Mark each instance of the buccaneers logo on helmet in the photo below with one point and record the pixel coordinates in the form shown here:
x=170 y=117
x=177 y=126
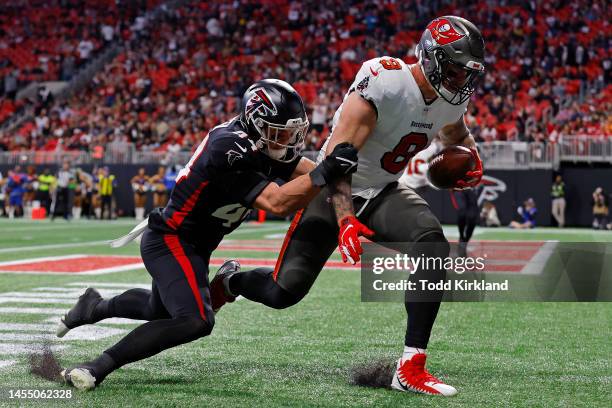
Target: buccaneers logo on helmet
x=260 y=103
x=443 y=32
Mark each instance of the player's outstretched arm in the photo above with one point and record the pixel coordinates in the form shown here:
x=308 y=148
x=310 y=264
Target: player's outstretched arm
x=356 y=122
x=297 y=193
x=458 y=134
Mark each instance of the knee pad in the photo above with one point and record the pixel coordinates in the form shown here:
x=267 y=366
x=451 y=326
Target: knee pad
x=439 y=244
x=282 y=299
x=198 y=327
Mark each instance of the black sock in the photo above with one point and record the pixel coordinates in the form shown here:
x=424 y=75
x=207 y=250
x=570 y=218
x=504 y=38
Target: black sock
x=469 y=229
x=101 y=367
x=461 y=225
x=258 y=285
x=422 y=315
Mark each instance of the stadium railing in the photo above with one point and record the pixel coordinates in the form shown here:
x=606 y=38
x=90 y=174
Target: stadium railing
x=496 y=155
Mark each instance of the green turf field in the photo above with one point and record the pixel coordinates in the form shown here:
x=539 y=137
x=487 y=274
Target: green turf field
x=495 y=354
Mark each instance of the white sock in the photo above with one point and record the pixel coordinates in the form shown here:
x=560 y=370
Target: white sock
x=76 y=213
x=411 y=351
x=139 y=212
x=98 y=212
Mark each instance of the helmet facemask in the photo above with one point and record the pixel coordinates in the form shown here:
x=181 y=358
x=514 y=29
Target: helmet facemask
x=281 y=142
x=452 y=81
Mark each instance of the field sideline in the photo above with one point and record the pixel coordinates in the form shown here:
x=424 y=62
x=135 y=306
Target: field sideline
x=496 y=354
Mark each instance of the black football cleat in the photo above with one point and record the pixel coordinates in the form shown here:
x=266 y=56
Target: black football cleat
x=81 y=312
x=80 y=378
x=219 y=286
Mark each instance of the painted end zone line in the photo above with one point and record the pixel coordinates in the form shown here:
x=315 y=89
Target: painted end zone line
x=98 y=265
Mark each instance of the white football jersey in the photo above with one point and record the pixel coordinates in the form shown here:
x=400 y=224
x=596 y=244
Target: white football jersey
x=405 y=124
x=415 y=175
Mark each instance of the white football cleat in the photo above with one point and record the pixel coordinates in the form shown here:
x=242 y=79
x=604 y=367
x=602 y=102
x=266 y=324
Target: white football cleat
x=411 y=375
x=80 y=378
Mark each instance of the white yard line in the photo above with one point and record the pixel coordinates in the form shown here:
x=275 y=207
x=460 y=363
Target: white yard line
x=54 y=301
x=111 y=285
x=113 y=320
x=20 y=348
x=7 y=363
x=88 y=333
x=41 y=259
x=535 y=266
x=33 y=310
x=67 y=294
x=51 y=246
x=36 y=327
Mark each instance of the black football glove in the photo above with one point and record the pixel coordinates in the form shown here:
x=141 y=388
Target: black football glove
x=341 y=161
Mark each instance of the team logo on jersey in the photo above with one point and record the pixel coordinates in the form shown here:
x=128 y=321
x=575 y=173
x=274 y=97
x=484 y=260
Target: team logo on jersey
x=443 y=32
x=492 y=188
x=363 y=84
x=259 y=103
x=232 y=156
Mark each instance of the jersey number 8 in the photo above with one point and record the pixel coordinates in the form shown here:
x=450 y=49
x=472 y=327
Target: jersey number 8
x=397 y=159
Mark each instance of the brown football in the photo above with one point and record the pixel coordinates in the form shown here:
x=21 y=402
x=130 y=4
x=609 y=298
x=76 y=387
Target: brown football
x=450 y=165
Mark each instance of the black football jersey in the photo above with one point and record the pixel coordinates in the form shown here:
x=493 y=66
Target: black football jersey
x=215 y=191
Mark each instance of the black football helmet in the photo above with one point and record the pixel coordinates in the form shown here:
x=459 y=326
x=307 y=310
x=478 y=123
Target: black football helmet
x=451 y=55
x=275 y=117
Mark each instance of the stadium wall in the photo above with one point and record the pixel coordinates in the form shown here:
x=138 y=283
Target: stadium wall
x=506 y=188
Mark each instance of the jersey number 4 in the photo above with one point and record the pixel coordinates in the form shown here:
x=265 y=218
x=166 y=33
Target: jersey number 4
x=409 y=145
x=231 y=214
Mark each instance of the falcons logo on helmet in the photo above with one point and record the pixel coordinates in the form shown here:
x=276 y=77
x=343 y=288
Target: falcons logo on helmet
x=259 y=103
x=443 y=32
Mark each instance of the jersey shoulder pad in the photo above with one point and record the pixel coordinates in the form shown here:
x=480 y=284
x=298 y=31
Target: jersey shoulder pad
x=379 y=80
x=231 y=150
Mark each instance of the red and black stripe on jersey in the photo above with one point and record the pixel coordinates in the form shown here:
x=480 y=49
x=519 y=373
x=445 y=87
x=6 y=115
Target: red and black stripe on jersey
x=216 y=189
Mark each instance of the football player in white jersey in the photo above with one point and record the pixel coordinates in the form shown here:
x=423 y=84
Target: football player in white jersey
x=391 y=112
x=415 y=175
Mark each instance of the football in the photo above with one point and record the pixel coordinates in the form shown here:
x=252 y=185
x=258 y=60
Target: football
x=450 y=165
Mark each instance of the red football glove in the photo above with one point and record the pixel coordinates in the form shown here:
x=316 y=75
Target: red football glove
x=474 y=176
x=348 y=238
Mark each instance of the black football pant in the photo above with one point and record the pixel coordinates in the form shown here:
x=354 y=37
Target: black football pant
x=177 y=307
x=398 y=216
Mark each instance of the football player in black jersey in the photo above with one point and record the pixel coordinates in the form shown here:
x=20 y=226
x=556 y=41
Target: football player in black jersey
x=234 y=169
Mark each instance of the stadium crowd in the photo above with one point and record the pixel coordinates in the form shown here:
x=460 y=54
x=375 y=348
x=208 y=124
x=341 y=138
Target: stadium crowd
x=48 y=40
x=548 y=70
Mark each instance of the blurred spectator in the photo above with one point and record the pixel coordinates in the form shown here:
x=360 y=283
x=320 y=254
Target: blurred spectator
x=160 y=193
x=140 y=186
x=62 y=200
x=15 y=188
x=600 y=205
x=527 y=212
x=107 y=184
x=488 y=215
x=2 y=196
x=46 y=185
x=548 y=68
x=30 y=183
x=558 y=200
x=82 y=184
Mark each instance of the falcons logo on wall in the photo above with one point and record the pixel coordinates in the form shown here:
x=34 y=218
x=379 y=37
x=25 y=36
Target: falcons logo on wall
x=259 y=103
x=491 y=189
